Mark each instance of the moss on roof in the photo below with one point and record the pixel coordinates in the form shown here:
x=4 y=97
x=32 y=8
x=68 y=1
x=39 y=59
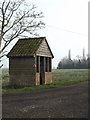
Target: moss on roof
x=26 y=47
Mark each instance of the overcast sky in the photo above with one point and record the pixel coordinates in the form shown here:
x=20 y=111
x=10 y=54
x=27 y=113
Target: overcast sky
x=66 y=27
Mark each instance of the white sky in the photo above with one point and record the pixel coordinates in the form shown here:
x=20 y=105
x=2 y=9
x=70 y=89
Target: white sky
x=66 y=27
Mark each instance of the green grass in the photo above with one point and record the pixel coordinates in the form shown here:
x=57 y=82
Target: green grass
x=5 y=77
x=69 y=74
x=60 y=78
x=28 y=89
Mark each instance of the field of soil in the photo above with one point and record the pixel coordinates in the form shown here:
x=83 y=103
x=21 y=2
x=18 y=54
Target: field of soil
x=64 y=102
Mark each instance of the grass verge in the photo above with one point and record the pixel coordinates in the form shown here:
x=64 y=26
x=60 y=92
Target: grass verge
x=41 y=87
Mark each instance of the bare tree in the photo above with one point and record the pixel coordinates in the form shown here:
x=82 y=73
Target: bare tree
x=17 y=18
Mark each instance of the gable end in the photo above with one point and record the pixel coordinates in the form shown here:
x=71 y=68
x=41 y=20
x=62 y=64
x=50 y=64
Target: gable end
x=44 y=49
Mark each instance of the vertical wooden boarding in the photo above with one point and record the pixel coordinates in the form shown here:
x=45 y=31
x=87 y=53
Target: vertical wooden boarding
x=48 y=64
x=37 y=70
x=39 y=63
x=44 y=64
x=44 y=70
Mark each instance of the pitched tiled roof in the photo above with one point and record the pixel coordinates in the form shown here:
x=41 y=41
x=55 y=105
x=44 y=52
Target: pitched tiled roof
x=26 y=47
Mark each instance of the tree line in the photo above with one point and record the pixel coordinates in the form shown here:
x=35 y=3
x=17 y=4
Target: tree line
x=82 y=62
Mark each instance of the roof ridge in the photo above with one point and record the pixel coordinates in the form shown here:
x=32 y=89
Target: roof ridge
x=32 y=38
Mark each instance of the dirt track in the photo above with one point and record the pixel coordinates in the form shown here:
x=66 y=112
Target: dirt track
x=64 y=102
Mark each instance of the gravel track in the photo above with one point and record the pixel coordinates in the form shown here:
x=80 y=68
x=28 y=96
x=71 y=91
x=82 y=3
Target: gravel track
x=64 y=102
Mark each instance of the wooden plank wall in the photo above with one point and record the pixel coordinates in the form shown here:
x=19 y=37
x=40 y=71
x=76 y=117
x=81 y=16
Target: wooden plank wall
x=44 y=50
x=22 y=71
x=48 y=77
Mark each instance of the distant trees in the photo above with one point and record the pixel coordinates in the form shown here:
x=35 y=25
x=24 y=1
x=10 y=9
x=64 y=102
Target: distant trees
x=80 y=63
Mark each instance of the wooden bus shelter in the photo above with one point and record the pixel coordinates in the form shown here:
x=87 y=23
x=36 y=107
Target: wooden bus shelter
x=30 y=62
